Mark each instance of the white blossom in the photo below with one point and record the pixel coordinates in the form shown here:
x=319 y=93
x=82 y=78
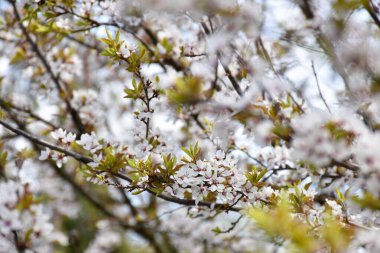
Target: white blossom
x=90 y=142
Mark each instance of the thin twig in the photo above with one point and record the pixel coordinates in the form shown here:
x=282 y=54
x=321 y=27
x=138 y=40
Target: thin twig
x=5 y=104
x=74 y=114
x=233 y=225
x=319 y=87
x=226 y=69
x=166 y=213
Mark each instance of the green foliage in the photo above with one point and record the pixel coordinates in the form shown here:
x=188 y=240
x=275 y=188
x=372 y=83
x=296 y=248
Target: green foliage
x=255 y=174
x=3 y=161
x=167 y=45
x=299 y=199
x=186 y=90
x=279 y=222
x=112 y=163
x=19 y=56
x=282 y=222
x=136 y=92
x=338 y=133
x=193 y=152
x=3 y=114
x=114 y=46
x=335 y=235
x=170 y=163
x=283 y=132
x=369 y=201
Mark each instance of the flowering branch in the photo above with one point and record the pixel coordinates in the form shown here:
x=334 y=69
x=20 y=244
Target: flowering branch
x=86 y=160
x=74 y=114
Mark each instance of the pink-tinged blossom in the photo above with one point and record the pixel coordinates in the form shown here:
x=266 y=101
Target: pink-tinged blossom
x=175 y=190
x=60 y=159
x=263 y=132
x=220 y=155
x=62 y=136
x=9 y=220
x=227 y=195
x=31 y=220
x=314 y=142
x=142 y=149
x=198 y=192
x=58 y=134
x=90 y=142
x=366 y=240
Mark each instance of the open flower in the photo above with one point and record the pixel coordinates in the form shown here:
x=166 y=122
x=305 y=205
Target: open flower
x=60 y=159
x=59 y=134
x=89 y=142
x=45 y=154
x=62 y=136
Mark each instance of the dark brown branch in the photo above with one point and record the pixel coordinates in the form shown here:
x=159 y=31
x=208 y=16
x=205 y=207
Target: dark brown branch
x=368 y=5
x=5 y=104
x=347 y=165
x=63 y=174
x=86 y=160
x=231 y=78
x=36 y=140
x=139 y=228
x=74 y=114
x=194 y=55
x=127 y=201
x=186 y=202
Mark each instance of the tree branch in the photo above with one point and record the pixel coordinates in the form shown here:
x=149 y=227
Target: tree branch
x=85 y=159
x=74 y=114
x=36 y=140
x=319 y=88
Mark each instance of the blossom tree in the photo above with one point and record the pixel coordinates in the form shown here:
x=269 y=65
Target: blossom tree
x=189 y=126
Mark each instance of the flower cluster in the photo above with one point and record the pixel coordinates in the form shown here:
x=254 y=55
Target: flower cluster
x=320 y=140
x=62 y=137
x=286 y=124
x=219 y=180
x=24 y=221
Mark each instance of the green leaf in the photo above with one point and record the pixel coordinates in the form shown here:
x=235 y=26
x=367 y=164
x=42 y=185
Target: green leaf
x=307 y=186
x=117 y=36
x=3 y=161
x=186 y=90
x=43 y=29
x=217 y=230
x=340 y=195
x=108 y=34
x=19 y=56
x=261 y=174
x=368 y=201
x=107 y=41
